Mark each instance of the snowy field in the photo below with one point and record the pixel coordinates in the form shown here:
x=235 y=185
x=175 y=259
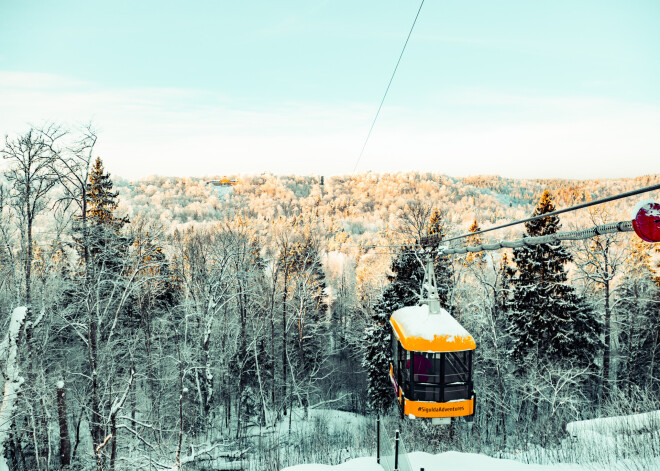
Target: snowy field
x=595 y=444
x=456 y=461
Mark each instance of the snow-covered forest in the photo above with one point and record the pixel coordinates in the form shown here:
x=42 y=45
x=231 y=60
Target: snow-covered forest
x=172 y=323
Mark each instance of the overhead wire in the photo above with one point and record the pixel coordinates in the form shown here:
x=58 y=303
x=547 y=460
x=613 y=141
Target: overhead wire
x=622 y=226
x=581 y=234
x=364 y=146
x=557 y=237
x=560 y=211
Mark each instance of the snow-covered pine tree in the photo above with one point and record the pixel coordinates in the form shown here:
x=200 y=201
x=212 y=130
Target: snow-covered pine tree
x=403 y=290
x=377 y=355
x=506 y=272
x=106 y=244
x=102 y=200
x=548 y=321
x=475 y=259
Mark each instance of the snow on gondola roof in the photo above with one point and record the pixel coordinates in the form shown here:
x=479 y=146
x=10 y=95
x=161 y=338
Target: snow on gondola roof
x=420 y=331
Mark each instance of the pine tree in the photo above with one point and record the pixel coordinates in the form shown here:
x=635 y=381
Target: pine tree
x=475 y=258
x=402 y=291
x=104 y=240
x=548 y=321
x=377 y=358
x=506 y=272
x=102 y=200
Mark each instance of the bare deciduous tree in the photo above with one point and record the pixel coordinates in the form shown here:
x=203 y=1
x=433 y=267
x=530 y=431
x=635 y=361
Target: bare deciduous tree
x=31 y=157
x=598 y=261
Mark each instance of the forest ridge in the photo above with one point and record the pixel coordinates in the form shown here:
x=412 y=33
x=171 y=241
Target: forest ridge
x=366 y=202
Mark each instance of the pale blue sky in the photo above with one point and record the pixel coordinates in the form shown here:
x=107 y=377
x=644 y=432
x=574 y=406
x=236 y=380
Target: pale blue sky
x=195 y=88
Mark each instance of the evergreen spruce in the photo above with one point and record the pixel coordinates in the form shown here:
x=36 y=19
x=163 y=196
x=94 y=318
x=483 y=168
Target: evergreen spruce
x=476 y=259
x=105 y=243
x=102 y=200
x=403 y=290
x=548 y=321
x=378 y=355
x=506 y=273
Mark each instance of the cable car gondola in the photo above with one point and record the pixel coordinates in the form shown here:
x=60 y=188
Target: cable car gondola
x=431 y=369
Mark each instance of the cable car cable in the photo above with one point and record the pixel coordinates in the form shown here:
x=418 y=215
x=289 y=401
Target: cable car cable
x=560 y=211
x=388 y=88
x=580 y=234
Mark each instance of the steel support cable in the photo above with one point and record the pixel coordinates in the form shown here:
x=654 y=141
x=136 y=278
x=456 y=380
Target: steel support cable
x=364 y=146
x=580 y=234
x=556 y=238
x=427 y=243
x=560 y=211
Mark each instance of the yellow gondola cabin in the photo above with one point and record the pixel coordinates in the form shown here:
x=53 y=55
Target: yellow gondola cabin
x=431 y=371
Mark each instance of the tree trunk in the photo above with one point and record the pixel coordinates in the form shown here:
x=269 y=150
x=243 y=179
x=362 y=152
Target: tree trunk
x=13 y=379
x=77 y=442
x=28 y=251
x=65 y=442
x=95 y=420
x=181 y=397
x=607 y=355
x=113 y=446
x=284 y=372
x=272 y=339
x=85 y=238
x=28 y=265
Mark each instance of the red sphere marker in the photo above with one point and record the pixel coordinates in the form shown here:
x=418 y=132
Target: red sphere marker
x=646 y=221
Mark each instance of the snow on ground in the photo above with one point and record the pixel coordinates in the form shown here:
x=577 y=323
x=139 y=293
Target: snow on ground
x=627 y=443
x=455 y=461
x=613 y=426
x=320 y=436
x=451 y=460
x=358 y=464
x=473 y=462
x=335 y=420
